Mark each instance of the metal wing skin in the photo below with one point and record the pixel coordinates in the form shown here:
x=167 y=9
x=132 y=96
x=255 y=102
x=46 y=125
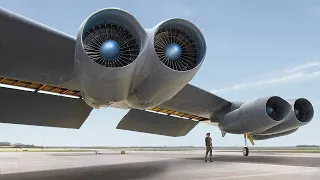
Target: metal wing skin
x=37 y=57
x=32 y=52
x=179 y=115
x=148 y=122
x=196 y=101
x=29 y=108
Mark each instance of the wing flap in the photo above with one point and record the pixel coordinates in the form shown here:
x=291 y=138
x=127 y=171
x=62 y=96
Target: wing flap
x=154 y=123
x=30 y=108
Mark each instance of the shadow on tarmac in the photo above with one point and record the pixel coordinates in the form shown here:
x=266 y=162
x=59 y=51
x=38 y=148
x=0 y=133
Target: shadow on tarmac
x=116 y=172
x=276 y=160
x=152 y=169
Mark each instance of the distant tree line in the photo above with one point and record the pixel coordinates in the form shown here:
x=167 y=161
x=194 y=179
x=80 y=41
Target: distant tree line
x=17 y=145
x=307 y=146
x=20 y=145
x=5 y=144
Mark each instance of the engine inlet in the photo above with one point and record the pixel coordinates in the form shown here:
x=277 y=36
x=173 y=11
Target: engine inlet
x=176 y=49
x=110 y=45
x=303 y=110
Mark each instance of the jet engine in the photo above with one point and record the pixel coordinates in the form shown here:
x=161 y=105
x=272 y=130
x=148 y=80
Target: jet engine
x=110 y=48
x=117 y=60
x=301 y=115
x=256 y=115
x=176 y=52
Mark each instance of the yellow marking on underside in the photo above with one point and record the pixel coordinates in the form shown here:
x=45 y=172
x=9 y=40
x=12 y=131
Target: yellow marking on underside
x=177 y=113
x=37 y=86
x=249 y=136
x=170 y=112
x=187 y=115
x=65 y=91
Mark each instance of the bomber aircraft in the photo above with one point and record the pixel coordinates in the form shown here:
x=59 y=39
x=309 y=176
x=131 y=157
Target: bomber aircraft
x=115 y=62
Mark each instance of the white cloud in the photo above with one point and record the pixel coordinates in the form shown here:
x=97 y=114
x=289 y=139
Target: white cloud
x=303 y=67
x=292 y=75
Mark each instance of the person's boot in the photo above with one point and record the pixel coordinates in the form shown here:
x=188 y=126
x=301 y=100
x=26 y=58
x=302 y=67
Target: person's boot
x=211 y=160
x=205 y=159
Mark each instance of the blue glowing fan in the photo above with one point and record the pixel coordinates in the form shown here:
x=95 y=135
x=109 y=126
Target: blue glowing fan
x=110 y=45
x=176 y=49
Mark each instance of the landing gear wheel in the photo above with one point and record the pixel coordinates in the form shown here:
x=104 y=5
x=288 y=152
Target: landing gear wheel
x=245 y=151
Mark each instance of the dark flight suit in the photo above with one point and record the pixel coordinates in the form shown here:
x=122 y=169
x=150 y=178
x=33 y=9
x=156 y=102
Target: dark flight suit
x=208 y=148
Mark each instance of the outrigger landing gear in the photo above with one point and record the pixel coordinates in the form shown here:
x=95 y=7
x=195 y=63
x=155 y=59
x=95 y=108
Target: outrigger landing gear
x=245 y=150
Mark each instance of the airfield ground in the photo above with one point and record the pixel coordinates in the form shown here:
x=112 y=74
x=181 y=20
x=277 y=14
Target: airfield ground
x=225 y=149
x=44 y=150
x=158 y=164
x=217 y=149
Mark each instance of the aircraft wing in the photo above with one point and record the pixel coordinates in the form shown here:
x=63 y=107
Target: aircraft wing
x=196 y=101
x=35 y=53
x=29 y=108
x=37 y=57
x=41 y=58
x=179 y=115
x=148 y=122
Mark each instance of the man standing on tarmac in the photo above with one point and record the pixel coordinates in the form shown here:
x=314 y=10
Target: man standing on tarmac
x=208 y=141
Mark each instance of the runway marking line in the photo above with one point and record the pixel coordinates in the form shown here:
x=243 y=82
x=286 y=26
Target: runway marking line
x=257 y=175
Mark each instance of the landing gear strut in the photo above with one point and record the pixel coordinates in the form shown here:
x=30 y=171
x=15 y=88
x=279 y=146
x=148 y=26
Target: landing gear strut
x=245 y=149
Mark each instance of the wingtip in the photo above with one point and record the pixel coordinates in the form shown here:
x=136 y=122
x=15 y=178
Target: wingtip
x=223 y=133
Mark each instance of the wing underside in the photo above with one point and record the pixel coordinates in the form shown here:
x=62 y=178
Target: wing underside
x=32 y=52
x=179 y=115
x=40 y=58
x=197 y=102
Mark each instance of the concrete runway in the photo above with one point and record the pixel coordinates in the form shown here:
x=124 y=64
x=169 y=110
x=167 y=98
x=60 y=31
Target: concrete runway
x=176 y=165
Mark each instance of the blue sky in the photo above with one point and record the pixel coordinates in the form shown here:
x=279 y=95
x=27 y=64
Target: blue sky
x=254 y=48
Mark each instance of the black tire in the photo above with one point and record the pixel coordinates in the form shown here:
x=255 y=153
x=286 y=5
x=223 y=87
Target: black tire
x=245 y=151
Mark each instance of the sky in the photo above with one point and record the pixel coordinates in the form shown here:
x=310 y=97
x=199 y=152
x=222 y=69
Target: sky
x=254 y=49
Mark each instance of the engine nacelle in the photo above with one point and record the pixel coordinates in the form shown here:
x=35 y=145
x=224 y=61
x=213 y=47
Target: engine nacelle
x=263 y=137
x=110 y=48
x=256 y=115
x=116 y=60
x=302 y=115
x=176 y=52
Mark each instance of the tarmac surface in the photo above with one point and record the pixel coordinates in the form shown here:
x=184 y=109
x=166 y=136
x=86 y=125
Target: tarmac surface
x=158 y=165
